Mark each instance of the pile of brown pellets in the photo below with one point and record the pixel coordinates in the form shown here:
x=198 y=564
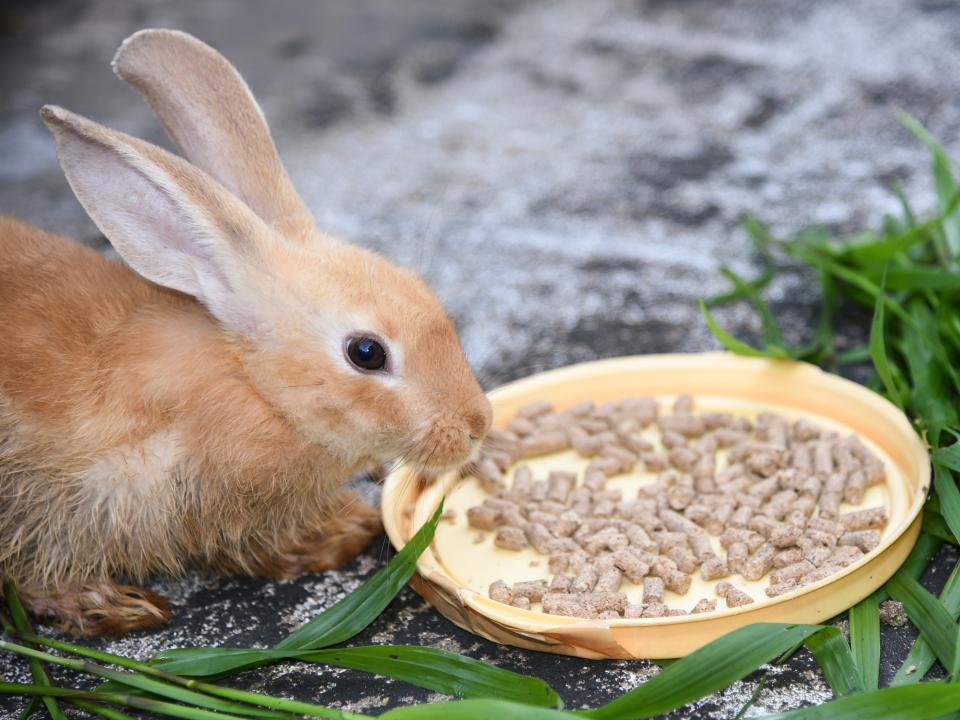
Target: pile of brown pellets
x=770 y=490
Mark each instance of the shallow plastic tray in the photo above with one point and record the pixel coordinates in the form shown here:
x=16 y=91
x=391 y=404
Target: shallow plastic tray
x=789 y=387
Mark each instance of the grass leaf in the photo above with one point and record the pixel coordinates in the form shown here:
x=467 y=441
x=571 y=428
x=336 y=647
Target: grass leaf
x=22 y=623
x=949 y=497
x=921 y=658
x=923 y=278
x=944 y=183
x=865 y=640
x=772 y=337
x=144 y=684
x=911 y=702
x=441 y=671
x=836 y=661
x=878 y=350
x=711 y=668
x=932 y=619
x=475 y=710
x=734 y=345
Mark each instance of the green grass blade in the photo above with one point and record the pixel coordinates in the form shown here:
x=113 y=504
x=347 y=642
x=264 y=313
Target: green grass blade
x=932 y=619
x=141 y=703
x=101 y=710
x=854 y=355
x=213 y=661
x=865 y=640
x=772 y=337
x=822 y=347
x=431 y=668
x=852 y=277
x=31 y=708
x=836 y=661
x=759 y=235
x=931 y=371
x=910 y=702
x=754 y=696
x=335 y=625
x=921 y=658
x=949 y=497
x=287 y=706
x=921 y=555
x=955 y=667
x=475 y=710
x=22 y=623
x=887 y=248
x=878 y=350
x=948 y=457
x=933 y=523
x=143 y=684
x=441 y=671
x=946 y=186
x=923 y=278
x=755 y=285
x=737 y=346
x=713 y=667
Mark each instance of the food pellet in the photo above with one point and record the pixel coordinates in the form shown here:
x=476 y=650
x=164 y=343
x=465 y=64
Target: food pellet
x=736 y=598
x=543 y=444
x=714 y=569
x=769 y=491
x=780 y=588
x=865 y=540
x=500 y=592
x=538 y=536
x=533 y=590
x=510 y=538
x=535 y=409
x=654 y=610
x=869 y=519
x=704 y=605
x=568 y=604
x=653 y=588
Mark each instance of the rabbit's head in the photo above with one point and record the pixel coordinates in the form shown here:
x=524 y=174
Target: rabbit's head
x=355 y=353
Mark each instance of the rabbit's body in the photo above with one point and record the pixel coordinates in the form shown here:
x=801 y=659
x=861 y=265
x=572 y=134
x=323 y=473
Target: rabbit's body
x=208 y=416
x=161 y=454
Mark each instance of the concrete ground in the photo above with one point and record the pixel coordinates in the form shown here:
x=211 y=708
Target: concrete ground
x=569 y=176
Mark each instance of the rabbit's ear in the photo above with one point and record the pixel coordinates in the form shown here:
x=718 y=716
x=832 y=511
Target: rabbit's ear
x=210 y=114
x=171 y=222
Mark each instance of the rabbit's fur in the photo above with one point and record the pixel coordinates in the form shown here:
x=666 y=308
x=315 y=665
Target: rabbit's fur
x=202 y=412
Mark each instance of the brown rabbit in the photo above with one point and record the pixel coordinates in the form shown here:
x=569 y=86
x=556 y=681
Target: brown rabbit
x=206 y=407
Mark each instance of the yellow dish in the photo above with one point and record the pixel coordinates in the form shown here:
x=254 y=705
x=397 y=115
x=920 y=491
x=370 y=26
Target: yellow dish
x=454 y=573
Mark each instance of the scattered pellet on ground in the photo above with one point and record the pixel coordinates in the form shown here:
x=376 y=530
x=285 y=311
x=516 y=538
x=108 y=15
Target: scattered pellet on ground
x=893 y=614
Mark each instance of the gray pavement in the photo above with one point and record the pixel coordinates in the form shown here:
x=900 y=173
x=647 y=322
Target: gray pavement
x=568 y=175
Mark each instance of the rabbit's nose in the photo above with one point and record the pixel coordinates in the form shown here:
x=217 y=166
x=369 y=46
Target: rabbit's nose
x=479 y=418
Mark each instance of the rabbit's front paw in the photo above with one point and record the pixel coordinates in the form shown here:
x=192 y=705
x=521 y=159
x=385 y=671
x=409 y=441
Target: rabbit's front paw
x=100 y=608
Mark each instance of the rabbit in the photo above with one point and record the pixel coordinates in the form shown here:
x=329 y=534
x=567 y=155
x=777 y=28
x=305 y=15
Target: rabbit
x=205 y=406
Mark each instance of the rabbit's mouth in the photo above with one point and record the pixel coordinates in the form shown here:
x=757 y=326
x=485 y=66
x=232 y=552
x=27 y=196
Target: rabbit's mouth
x=445 y=447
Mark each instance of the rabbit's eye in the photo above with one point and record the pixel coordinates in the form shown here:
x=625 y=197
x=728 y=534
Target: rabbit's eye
x=366 y=353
